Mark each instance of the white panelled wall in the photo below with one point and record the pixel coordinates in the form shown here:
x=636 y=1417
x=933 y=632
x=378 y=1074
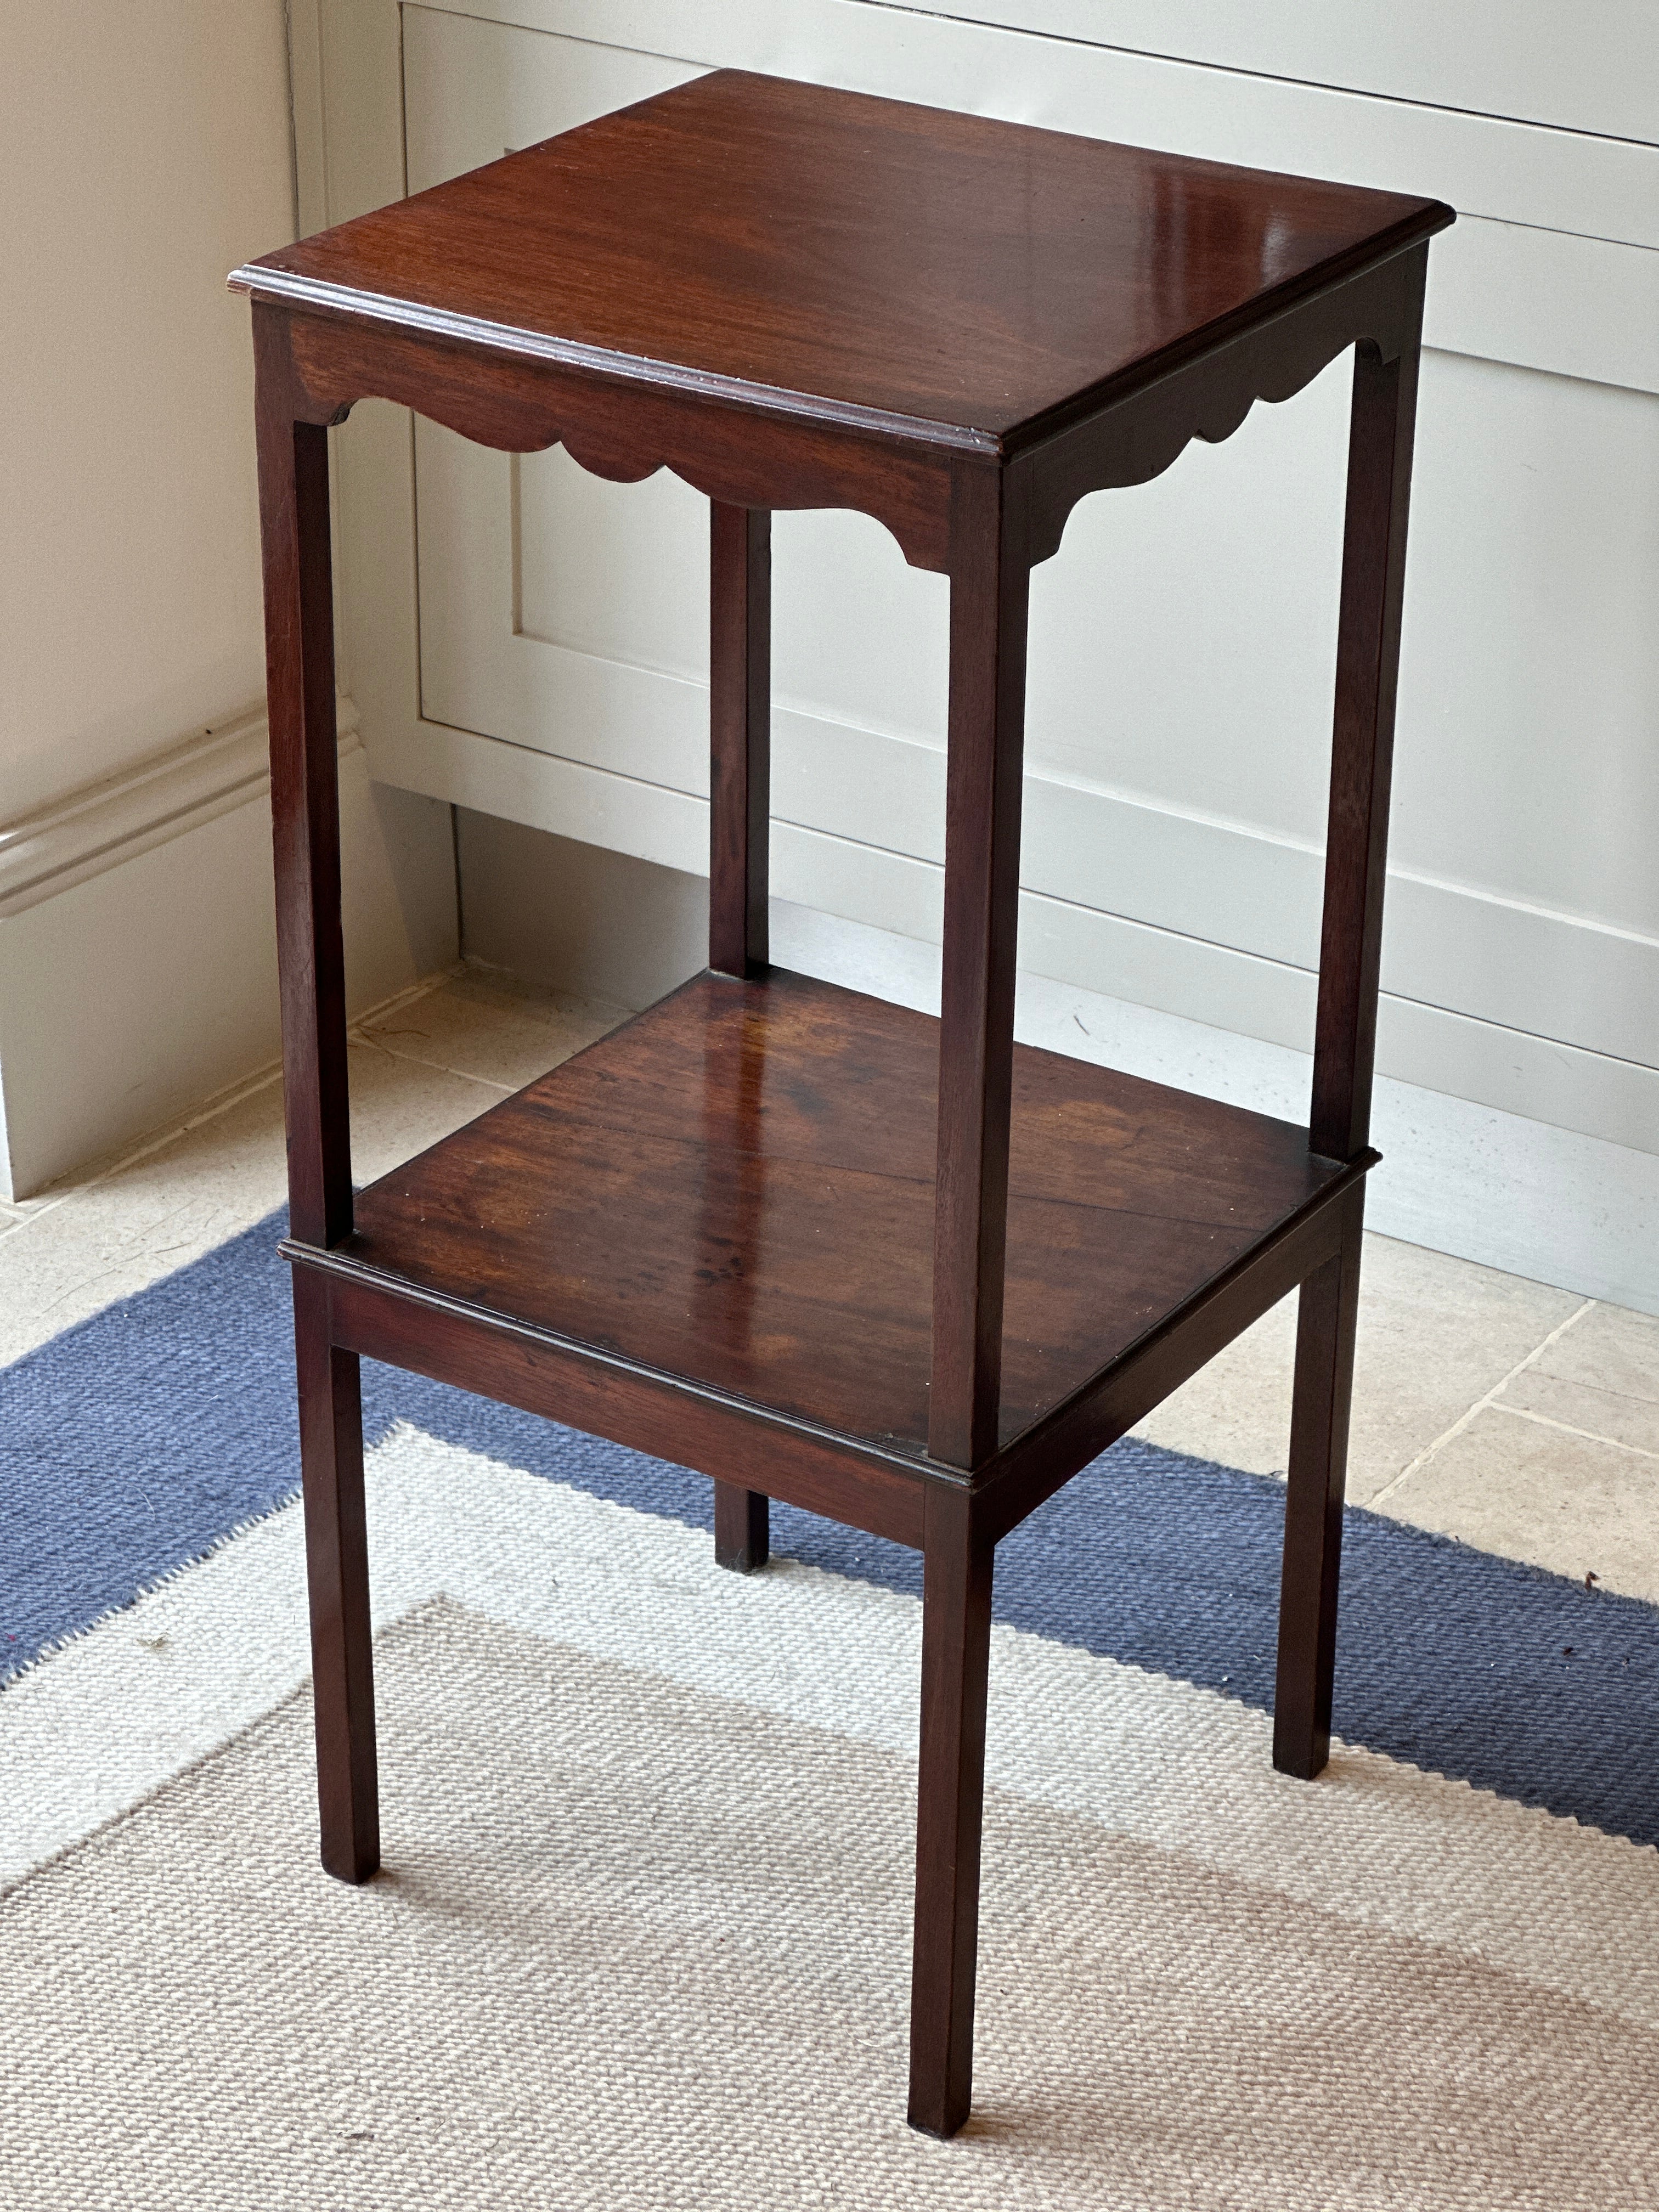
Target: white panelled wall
x=533 y=648
x=146 y=150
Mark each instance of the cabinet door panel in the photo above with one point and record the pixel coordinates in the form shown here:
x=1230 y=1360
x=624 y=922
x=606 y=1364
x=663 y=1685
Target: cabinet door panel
x=570 y=616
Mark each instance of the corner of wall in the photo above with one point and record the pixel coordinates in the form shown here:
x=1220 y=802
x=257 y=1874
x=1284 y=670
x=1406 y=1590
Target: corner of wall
x=576 y=917
x=137 y=941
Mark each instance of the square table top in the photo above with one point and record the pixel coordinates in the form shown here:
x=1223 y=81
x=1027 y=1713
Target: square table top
x=900 y=268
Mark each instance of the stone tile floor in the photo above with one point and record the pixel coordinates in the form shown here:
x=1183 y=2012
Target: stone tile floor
x=1521 y=1418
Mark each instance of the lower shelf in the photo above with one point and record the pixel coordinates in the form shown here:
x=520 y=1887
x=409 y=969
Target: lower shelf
x=736 y=1189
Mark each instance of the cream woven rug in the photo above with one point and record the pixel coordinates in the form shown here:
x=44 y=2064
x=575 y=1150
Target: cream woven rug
x=643 y=1938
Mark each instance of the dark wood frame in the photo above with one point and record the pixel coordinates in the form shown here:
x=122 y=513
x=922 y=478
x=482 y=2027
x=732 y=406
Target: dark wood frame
x=984 y=510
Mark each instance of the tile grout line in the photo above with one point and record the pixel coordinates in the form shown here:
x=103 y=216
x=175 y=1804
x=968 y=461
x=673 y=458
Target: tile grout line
x=109 y=1185
x=222 y=1102
x=1567 y=1428
x=422 y=988
x=1479 y=1406
x=438 y=1066
x=218 y=1103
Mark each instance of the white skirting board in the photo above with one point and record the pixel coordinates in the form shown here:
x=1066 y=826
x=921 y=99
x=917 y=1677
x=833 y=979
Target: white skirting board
x=1472 y=1180
x=137 y=939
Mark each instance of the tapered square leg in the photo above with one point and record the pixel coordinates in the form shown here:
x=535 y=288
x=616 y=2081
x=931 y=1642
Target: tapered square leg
x=990 y=601
x=304 y=793
x=1382 y=422
x=742 y=1534
x=336 y=1570
x=740 y=736
x=1313 y=1506
x=956 y=1649
x=739 y=825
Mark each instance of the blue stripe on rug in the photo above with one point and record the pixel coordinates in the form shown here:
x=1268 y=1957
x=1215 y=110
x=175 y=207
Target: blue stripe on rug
x=137 y=1442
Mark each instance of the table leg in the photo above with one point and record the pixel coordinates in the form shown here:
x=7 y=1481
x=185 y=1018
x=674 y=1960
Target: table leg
x=739 y=830
x=1362 y=750
x=742 y=1534
x=337 y=1569
x=740 y=736
x=305 y=828
x=1313 y=1504
x=956 y=1650
x=990 y=595
x=1356 y=854
x=304 y=793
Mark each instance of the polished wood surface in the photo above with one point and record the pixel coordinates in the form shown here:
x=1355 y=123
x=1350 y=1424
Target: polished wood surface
x=890 y=261
x=760 y=266
x=1382 y=424
x=1381 y=421
x=740 y=844
x=1321 y=1396
x=302 y=712
x=737 y=1444
x=1036 y=1464
x=816 y=1246
x=990 y=595
x=737 y=1187
x=742 y=1529
x=959 y=1556
x=740 y=737
x=875 y=1486
x=337 y=1577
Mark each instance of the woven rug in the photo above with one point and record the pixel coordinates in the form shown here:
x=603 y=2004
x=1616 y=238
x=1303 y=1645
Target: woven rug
x=642 y=1936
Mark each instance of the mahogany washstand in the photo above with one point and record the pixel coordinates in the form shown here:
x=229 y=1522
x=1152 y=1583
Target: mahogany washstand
x=897 y=1271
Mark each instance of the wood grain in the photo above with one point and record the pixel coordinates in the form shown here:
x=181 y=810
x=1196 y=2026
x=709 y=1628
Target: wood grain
x=738 y=234
x=740 y=731
x=299 y=601
x=625 y=429
x=1345 y=1037
x=1321 y=1398
x=1031 y=1466
x=1380 y=441
x=989 y=598
x=739 y=848
x=669 y=1418
x=957 y=1559
x=737 y=1187
x=712 y=282
x=337 y=1575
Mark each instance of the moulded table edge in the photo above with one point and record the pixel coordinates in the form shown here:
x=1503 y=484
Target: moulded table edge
x=1006 y=1472
x=360 y=1272
x=985 y=1481
x=1028 y=439
x=287 y=288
